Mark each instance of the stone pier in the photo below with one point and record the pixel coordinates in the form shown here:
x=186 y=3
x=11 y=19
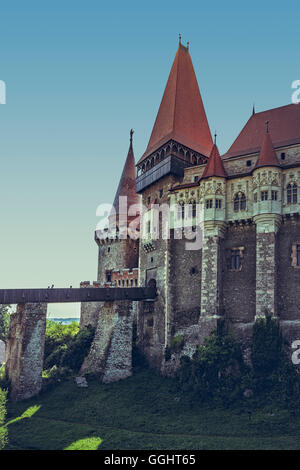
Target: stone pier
x=25 y=350
x=110 y=356
x=267 y=226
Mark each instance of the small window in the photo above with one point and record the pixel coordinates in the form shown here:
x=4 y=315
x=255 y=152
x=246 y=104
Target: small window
x=255 y=197
x=196 y=179
x=148 y=226
x=148 y=200
x=282 y=156
x=108 y=276
x=264 y=195
x=209 y=203
x=108 y=249
x=274 y=195
x=161 y=192
x=136 y=282
x=218 y=203
x=298 y=255
x=235 y=261
x=249 y=163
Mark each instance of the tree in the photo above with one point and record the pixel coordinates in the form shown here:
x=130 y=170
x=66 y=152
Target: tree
x=4 y=322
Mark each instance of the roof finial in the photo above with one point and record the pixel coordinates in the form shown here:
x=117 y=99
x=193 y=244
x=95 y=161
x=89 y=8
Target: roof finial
x=215 y=137
x=253 y=110
x=188 y=45
x=131 y=134
x=179 y=38
x=267 y=127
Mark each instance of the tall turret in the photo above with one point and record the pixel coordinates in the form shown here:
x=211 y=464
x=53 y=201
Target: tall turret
x=213 y=198
x=118 y=251
x=266 y=184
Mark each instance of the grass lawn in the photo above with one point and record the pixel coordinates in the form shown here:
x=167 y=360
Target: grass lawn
x=141 y=412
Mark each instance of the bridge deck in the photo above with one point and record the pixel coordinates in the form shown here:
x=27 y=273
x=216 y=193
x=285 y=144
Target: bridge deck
x=102 y=294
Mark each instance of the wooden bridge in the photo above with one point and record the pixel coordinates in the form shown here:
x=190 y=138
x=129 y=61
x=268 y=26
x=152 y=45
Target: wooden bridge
x=99 y=294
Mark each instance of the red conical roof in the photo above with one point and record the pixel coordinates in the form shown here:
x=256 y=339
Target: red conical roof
x=181 y=114
x=127 y=184
x=214 y=166
x=267 y=156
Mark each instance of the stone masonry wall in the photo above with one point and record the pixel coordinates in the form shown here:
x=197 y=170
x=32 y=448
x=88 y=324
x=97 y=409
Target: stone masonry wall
x=266 y=273
x=25 y=350
x=288 y=272
x=110 y=355
x=239 y=285
x=211 y=295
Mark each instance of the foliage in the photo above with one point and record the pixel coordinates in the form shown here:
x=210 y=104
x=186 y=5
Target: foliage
x=267 y=346
x=58 y=334
x=4 y=322
x=3 y=430
x=66 y=345
x=273 y=375
x=53 y=376
x=78 y=348
x=215 y=370
x=177 y=344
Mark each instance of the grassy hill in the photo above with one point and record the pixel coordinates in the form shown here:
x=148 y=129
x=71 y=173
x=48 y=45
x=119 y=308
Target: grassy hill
x=142 y=412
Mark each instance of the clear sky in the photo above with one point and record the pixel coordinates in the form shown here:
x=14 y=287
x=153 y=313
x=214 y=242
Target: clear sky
x=79 y=75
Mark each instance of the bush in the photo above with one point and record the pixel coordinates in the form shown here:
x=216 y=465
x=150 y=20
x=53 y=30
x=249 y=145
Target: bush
x=57 y=335
x=3 y=430
x=215 y=370
x=177 y=344
x=73 y=356
x=267 y=346
x=67 y=345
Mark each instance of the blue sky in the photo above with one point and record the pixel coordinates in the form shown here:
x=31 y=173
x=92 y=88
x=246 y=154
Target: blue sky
x=79 y=75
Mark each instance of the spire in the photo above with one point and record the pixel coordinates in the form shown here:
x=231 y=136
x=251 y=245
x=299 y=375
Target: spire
x=267 y=156
x=181 y=115
x=214 y=166
x=127 y=184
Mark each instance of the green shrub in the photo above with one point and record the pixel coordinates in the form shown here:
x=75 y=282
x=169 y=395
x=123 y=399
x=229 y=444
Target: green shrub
x=55 y=375
x=215 y=370
x=3 y=430
x=58 y=334
x=177 y=344
x=267 y=346
x=73 y=356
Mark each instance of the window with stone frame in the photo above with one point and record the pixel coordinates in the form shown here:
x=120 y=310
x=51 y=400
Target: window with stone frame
x=192 y=208
x=274 y=195
x=209 y=203
x=292 y=193
x=218 y=203
x=264 y=195
x=239 y=202
x=295 y=255
x=236 y=257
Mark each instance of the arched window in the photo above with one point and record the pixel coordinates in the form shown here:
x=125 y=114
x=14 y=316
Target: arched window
x=239 y=202
x=236 y=203
x=243 y=202
x=292 y=193
x=180 y=210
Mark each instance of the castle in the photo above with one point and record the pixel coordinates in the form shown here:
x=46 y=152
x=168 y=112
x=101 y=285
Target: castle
x=249 y=260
